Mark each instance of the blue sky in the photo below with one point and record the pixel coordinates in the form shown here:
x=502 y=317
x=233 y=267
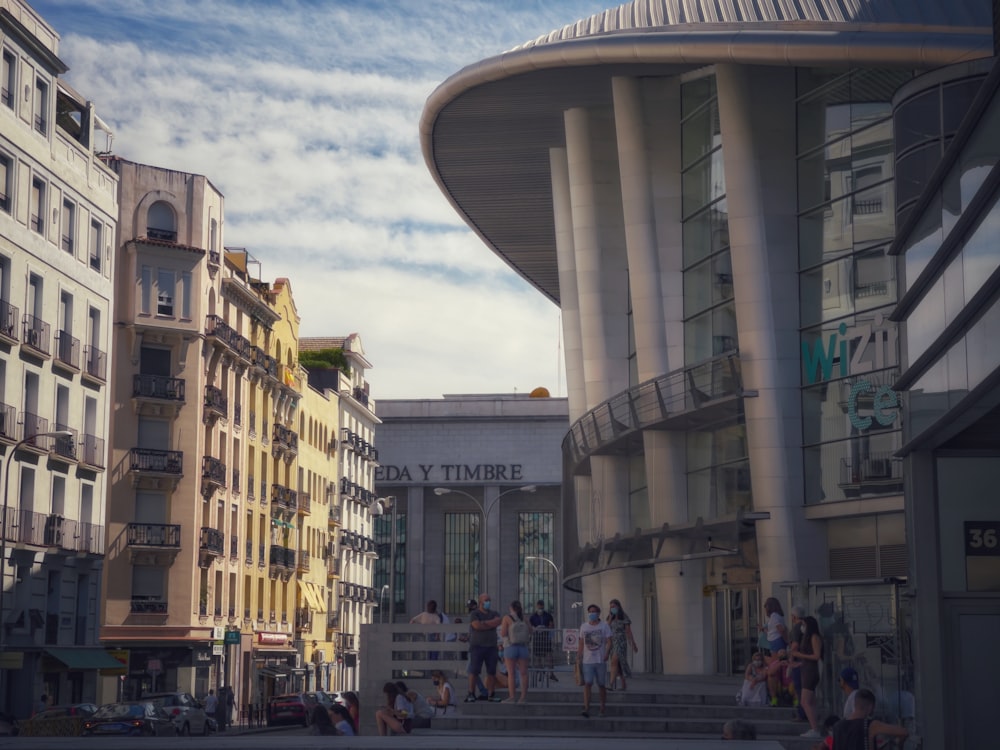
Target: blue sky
x=305 y=115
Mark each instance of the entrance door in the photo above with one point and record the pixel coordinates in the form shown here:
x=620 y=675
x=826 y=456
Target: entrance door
x=736 y=617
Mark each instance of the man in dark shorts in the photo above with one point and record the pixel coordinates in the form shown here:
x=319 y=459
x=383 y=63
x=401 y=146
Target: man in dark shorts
x=541 y=638
x=483 y=624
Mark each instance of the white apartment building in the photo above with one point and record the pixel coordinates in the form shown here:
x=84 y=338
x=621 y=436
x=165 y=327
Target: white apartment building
x=58 y=214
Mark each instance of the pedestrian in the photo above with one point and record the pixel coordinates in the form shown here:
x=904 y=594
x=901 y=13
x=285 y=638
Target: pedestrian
x=795 y=636
x=621 y=640
x=483 y=623
x=849 y=687
x=394 y=716
x=211 y=704
x=227 y=700
x=321 y=721
x=541 y=639
x=860 y=731
x=430 y=616
x=445 y=693
x=423 y=712
x=43 y=703
x=808 y=655
x=516 y=634
x=342 y=720
x=354 y=709
x=594 y=646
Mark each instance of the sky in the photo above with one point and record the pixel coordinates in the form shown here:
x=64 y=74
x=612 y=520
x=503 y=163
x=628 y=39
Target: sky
x=305 y=115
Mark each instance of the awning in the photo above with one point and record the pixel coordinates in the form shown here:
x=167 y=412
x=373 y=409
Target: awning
x=318 y=596
x=271 y=672
x=84 y=658
x=308 y=595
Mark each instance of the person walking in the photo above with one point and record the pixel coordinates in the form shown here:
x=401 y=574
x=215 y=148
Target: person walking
x=211 y=704
x=516 y=634
x=621 y=641
x=808 y=656
x=483 y=623
x=593 y=648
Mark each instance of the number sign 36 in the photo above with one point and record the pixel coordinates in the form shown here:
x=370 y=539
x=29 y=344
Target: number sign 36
x=982 y=538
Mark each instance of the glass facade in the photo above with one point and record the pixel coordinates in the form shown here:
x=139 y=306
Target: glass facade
x=847 y=283
x=462 y=555
x=387 y=559
x=535 y=533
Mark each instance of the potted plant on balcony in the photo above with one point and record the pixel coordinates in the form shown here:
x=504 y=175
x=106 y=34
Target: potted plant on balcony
x=323 y=365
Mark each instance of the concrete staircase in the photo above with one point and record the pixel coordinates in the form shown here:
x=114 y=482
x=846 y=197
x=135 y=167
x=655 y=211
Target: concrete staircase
x=660 y=706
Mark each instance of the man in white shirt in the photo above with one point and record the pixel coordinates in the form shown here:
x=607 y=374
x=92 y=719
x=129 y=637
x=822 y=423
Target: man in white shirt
x=594 y=645
x=849 y=687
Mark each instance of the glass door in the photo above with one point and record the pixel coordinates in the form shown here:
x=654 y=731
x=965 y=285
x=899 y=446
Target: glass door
x=736 y=620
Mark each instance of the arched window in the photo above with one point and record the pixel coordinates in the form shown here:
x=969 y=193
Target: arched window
x=160 y=222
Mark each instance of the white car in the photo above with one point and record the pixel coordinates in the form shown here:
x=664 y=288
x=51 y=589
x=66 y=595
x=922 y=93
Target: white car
x=185 y=711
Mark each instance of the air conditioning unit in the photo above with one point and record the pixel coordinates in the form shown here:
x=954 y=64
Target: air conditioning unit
x=33 y=337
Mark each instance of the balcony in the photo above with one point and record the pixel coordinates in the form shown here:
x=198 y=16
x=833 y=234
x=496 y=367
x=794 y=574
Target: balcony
x=281 y=561
x=304 y=504
x=89 y=538
x=219 y=332
x=283 y=498
x=29 y=527
x=216 y=404
x=303 y=562
x=879 y=472
x=303 y=619
x=332 y=567
x=164 y=235
x=211 y=544
x=148 y=605
x=249 y=553
x=92 y=453
x=95 y=365
x=253 y=424
x=261 y=557
x=8 y=322
x=345 y=642
x=334 y=516
x=32 y=424
x=157 y=395
x=237 y=415
x=213 y=475
x=361 y=395
x=155 y=469
x=8 y=423
x=333 y=620
x=67 y=352
x=284 y=442
x=64 y=447
x=35 y=336
x=251 y=488
x=153 y=543
x=263 y=364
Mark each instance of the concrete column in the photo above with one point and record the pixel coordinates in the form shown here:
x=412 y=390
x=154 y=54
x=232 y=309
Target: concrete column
x=757 y=115
x=416 y=567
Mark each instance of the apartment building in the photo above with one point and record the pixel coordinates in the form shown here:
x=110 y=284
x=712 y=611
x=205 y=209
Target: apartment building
x=58 y=212
x=352 y=602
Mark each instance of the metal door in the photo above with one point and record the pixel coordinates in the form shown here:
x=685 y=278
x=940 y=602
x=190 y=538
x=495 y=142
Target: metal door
x=736 y=620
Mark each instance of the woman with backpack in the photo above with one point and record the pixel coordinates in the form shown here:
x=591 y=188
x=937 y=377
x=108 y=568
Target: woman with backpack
x=516 y=633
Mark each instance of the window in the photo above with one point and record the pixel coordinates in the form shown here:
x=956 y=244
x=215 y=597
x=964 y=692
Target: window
x=5 y=175
x=8 y=79
x=41 y=106
x=68 y=226
x=95 y=245
x=461 y=559
x=37 y=208
x=186 y=295
x=160 y=223
x=535 y=554
x=165 y=292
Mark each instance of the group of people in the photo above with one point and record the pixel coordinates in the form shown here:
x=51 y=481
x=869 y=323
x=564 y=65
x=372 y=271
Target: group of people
x=604 y=643
x=337 y=719
x=220 y=707
x=787 y=665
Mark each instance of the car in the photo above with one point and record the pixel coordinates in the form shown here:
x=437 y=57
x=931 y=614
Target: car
x=293 y=708
x=327 y=699
x=8 y=725
x=187 y=712
x=135 y=718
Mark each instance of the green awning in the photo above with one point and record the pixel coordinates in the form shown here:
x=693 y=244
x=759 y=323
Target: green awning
x=84 y=658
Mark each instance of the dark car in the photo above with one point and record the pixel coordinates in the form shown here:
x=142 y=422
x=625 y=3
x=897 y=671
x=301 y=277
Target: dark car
x=294 y=708
x=184 y=710
x=8 y=725
x=139 y=718
x=327 y=699
x=58 y=721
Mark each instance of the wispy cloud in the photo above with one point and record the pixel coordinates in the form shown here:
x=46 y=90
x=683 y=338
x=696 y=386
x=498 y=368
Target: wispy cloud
x=305 y=115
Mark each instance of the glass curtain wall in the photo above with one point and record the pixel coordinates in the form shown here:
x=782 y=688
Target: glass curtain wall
x=388 y=560
x=850 y=350
x=717 y=462
x=538 y=578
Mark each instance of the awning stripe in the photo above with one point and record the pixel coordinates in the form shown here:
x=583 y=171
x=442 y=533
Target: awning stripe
x=84 y=658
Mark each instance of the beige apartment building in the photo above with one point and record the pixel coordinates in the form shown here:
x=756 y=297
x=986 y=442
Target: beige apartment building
x=58 y=210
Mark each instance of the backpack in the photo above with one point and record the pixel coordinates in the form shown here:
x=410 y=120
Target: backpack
x=520 y=633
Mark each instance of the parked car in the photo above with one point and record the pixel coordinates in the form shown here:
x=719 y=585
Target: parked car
x=137 y=718
x=57 y=721
x=8 y=725
x=327 y=699
x=294 y=708
x=184 y=710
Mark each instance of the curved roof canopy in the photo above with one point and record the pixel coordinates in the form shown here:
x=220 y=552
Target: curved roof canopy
x=487 y=130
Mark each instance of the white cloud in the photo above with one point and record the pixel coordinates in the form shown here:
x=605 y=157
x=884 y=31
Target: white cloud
x=305 y=115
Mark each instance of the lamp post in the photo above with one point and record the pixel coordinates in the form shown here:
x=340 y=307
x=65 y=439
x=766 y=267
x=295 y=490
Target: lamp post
x=3 y=543
x=485 y=511
x=556 y=587
x=379 y=507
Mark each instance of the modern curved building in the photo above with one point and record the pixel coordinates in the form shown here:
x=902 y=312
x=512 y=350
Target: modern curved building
x=709 y=191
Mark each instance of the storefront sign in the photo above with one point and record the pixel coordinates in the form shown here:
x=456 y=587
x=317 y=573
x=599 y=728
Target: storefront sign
x=450 y=473
x=982 y=555
x=232 y=637
x=272 y=639
x=868 y=347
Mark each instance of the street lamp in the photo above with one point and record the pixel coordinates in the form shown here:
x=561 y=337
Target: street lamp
x=378 y=508
x=486 y=517
x=556 y=587
x=3 y=542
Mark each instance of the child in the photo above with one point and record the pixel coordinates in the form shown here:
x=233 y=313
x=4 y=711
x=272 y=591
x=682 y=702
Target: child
x=754 y=691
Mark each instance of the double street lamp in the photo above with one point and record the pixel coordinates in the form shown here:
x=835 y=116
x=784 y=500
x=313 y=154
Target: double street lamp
x=3 y=542
x=556 y=588
x=485 y=510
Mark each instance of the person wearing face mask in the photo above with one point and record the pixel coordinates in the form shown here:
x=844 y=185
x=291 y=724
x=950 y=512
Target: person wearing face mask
x=754 y=691
x=594 y=645
x=445 y=694
x=541 y=639
x=483 y=623
x=516 y=634
x=621 y=641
